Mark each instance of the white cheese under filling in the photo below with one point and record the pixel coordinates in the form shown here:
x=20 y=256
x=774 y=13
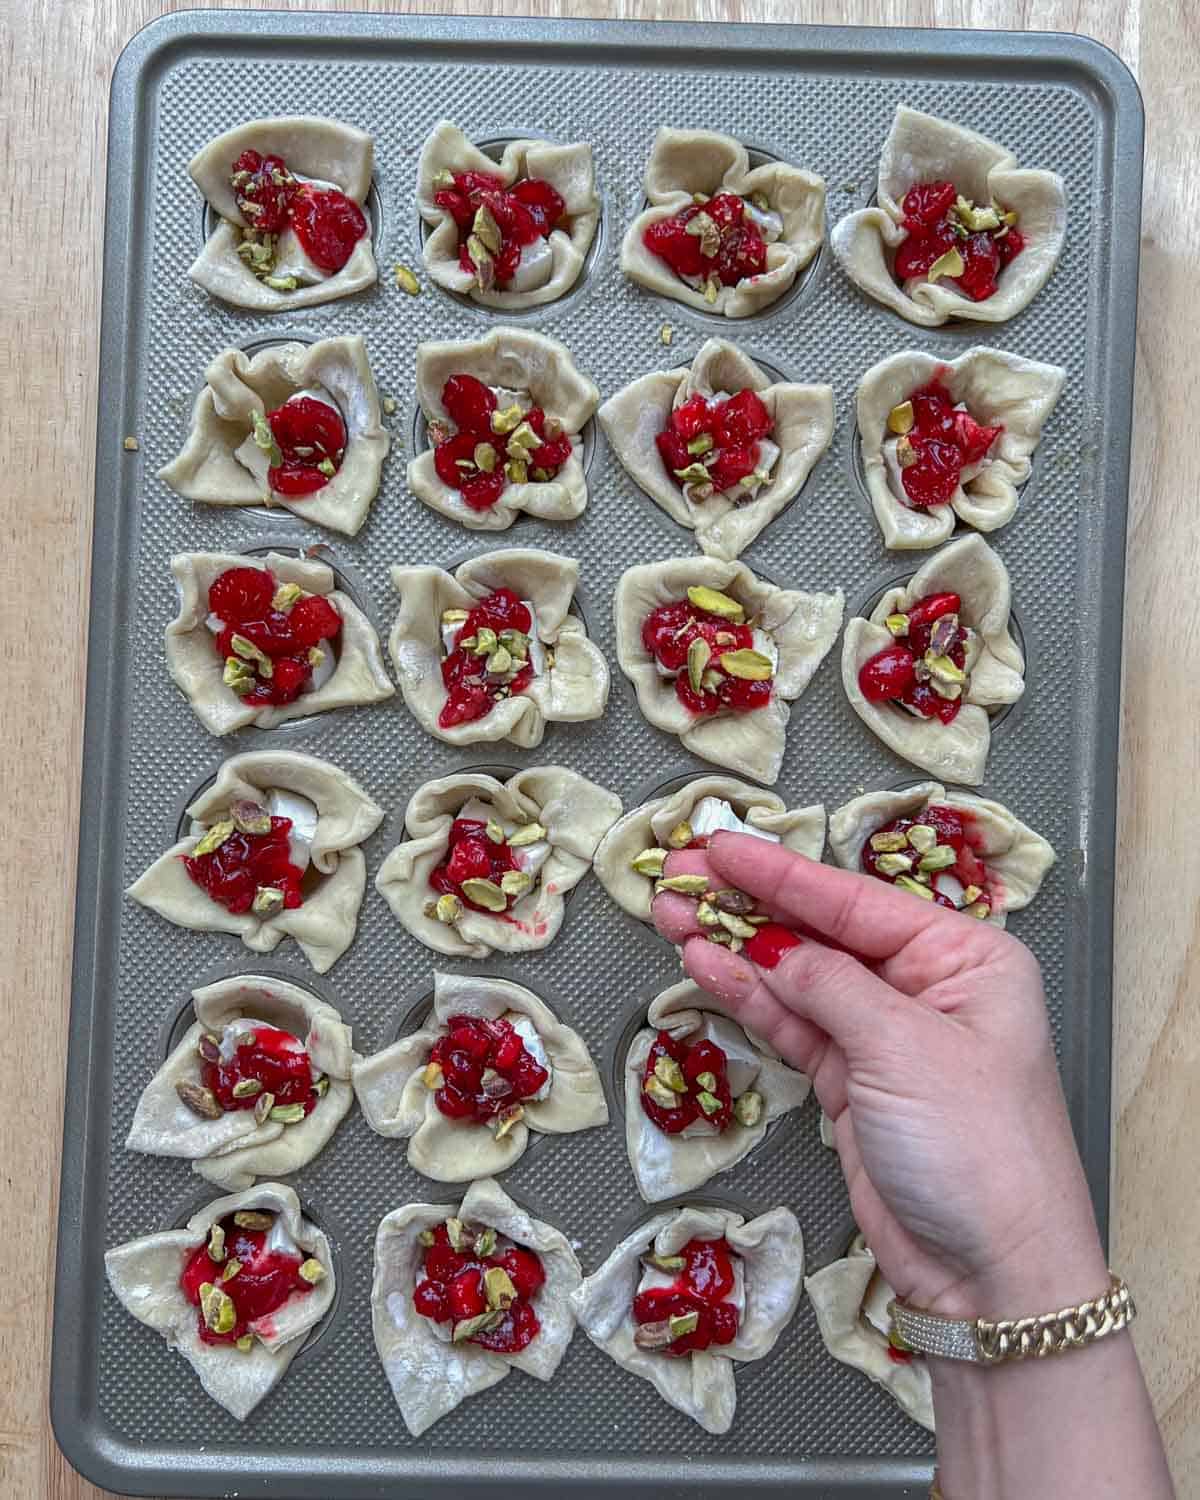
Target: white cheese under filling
x=524 y=1028
x=534 y=268
x=280 y=1241
x=303 y=813
x=653 y=1279
x=713 y=813
x=768 y=223
x=291 y=258
x=530 y=857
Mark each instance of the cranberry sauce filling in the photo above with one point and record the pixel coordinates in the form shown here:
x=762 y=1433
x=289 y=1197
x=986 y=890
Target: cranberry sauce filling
x=246 y=1280
x=497 y=223
x=714 y=445
x=265 y=1061
x=493 y=447
x=926 y=667
x=933 y=856
x=271 y=635
x=481 y=1070
x=243 y=865
x=473 y=856
x=271 y=200
x=711 y=652
x=456 y=1287
x=683 y=1082
x=489 y=658
x=769 y=944
x=950 y=238
x=691 y=1313
x=936 y=442
x=309 y=443
x=710 y=244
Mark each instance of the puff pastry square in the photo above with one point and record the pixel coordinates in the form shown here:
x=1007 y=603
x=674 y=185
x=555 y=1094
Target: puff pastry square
x=802 y=417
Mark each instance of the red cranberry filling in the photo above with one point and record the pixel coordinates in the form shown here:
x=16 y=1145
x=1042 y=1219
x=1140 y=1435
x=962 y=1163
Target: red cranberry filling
x=263 y=1281
x=495 y=223
x=484 y=1069
x=919 y=850
x=472 y=855
x=311 y=438
x=940 y=443
x=668 y=633
x=270 y=199
x=930 y=654
x=719 y=438
x=453 y=1288
x=694 y=1075
x=274 y=1059
x=700 y=1291
x=941 y=223
x=712 y=244
x=769 y=944
x=245 y=863
x=492 y=449
x=269 y=643
x=474 y=672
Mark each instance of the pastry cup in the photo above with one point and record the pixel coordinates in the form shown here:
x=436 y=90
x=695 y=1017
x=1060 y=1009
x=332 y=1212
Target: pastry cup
x=144 y=1275
x=574 y=812
x=234 y=1150
x=324 y=925
x=319 y=149
x=1016 y=858
x=999 y=390
x=803 y=417
x=666 y=1166
x=683 y=162
x=700 y=1384
x=430 y=1377
x=923 y=148
x=648 y=825
x=397 y=1104
x=220 y=463
x=804 y=627
x=575 y=688
x=568 y=169
x=837 y=1293
x=956 y=751
x=515 y=360
x=197 y=670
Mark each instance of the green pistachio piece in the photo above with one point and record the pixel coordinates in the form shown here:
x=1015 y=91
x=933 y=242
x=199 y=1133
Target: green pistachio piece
x=978 y=909
x=214 y=837
x=246 y=1088
x=485 y=893
x=701 y=443
x=529 y=833
x=311 y=1270
x=894 y=864
x=515 y=882
x=432 y=1076
x=889 y=842
x=498 y=1288
x=693 y=474
x=649 y=862
x=749 y=665
x=216 y=1244
x=897 y=624
x=250 y=817
x=748 y=1109
x=922 y=837
x=681 y=835
x=684 y=885
x=699 y=654
x=709 y=1103
x=914 y=887
x=287 y=1114
x=327 y=467
x=485 y=1243
x=456 y=1233
x=507 y=420
x=713 y=602
x=482 y=1323
x=945 y=670
x=448 y=908
x=486 y=641
x=406 y=281
x=665 y=1262
x=200 y=1100
x=707 y=914
x=668 y=1071
x=248 y=651
x=281 y=283
x=664 y=1097
x=285 y=596
x=901 y=418
x=499 y=662
x=734 y=925
x=950 y=264
x=220 y=1315
x=232 y=1267
x=972 y=893
x=245 y=1343
x=485 y=457
x=939 y=858
x=707 y=1081
x=264 y=438
x=486 y=230
x=507 y=1119
x=682 y=1324
x=263 y=1106
x=268 y=900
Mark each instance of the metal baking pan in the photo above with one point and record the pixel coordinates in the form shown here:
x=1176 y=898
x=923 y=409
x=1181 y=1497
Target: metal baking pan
x=127 y=1411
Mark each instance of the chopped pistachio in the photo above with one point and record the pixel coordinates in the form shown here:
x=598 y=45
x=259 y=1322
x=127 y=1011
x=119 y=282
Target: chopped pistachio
x=311 y=1270
x=706 y=914
x=684 y=885
x=232 y=1267
x=389 y=405
x=664 y=1097
x=456 y=1233
x=711 y=290
x=216 y=1244
x=894 y=864
x=515 y=882
x=432 y=1076
x=220 y=1315
x=448 y=908
x=321 y=1087
x=248 y=651
x=682 y=1324
x=245 y=1343
x=711 y=681
x=713 y=602
x=914 y=887
x=978 y=909
x=976 y=218
x=701 y=443
x=749 y=665
x=668 y=1071
x=498 y=1288
x=485 y=457
x=693 y=474
x=486 y=641
x=665 y=333
x=485 y=893
x=507 y=419
x=499 y=662
x=427 y=1238
x=922 y=837
x=131 y=445
x=530 y=833
x=487 y=230
x=719 y=935
x=748 y=1108
x=253 y=1218
x=507 y=1119
x=443 y=178
x=901 y=418
x=522 y=441
x=897 y=624
x=263 y=1106
x=972 y=893
x=704 y=228
x=950 y=264
x=406 y=281
x=707 y=1081
x=665 y=1262
x=249 y=816
x=285 y=596
x=287 y=1114
x=709 y=1103
x=736 y=926
x=281 y=283
x=656 y=1335
x=485 y=269
x=681 y=835
x=200 y=1100
x=888 y=843
x=943 y=635
x=939 y=858
x=485 y=1243
x=699 y=654
x=246 y=1088
x=943 y=669
x=948 y=690
x=649 y=862
x=516 y=641
x=268 y=900
x=906 y=453
x=542 y=475
x=517 y=471
x=238 y=675
x=327 y=467
x=730 y=899
x=481 y=1323
x=315 y=656
x=214 y=837
x=493 y=831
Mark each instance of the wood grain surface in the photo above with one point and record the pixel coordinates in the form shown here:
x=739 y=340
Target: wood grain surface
x=56 y=58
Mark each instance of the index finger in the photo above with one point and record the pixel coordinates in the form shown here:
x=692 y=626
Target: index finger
x=869 y=917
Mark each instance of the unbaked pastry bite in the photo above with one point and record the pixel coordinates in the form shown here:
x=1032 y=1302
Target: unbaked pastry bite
x=963 y=852
x=688 y=1293
x=255 y=1087
x=505 y=416
x=295 y=425
x=492 y=651
x=935 y=658
x=490 y=1063
x=236 y=1291
x=487 y=865
x=716 y=654
x=718 y=445
x=850 y=1299
x=509 y=233
x=700 y=1092
x=958 y=229
x=289 y=193
x=633 y=852
x=272 y=853
x=463 y=1295
x=947 y=439
x=719 y=234
x=264 y=640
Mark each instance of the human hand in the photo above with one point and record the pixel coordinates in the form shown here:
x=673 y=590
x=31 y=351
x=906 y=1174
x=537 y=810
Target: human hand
x=925 y=1034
